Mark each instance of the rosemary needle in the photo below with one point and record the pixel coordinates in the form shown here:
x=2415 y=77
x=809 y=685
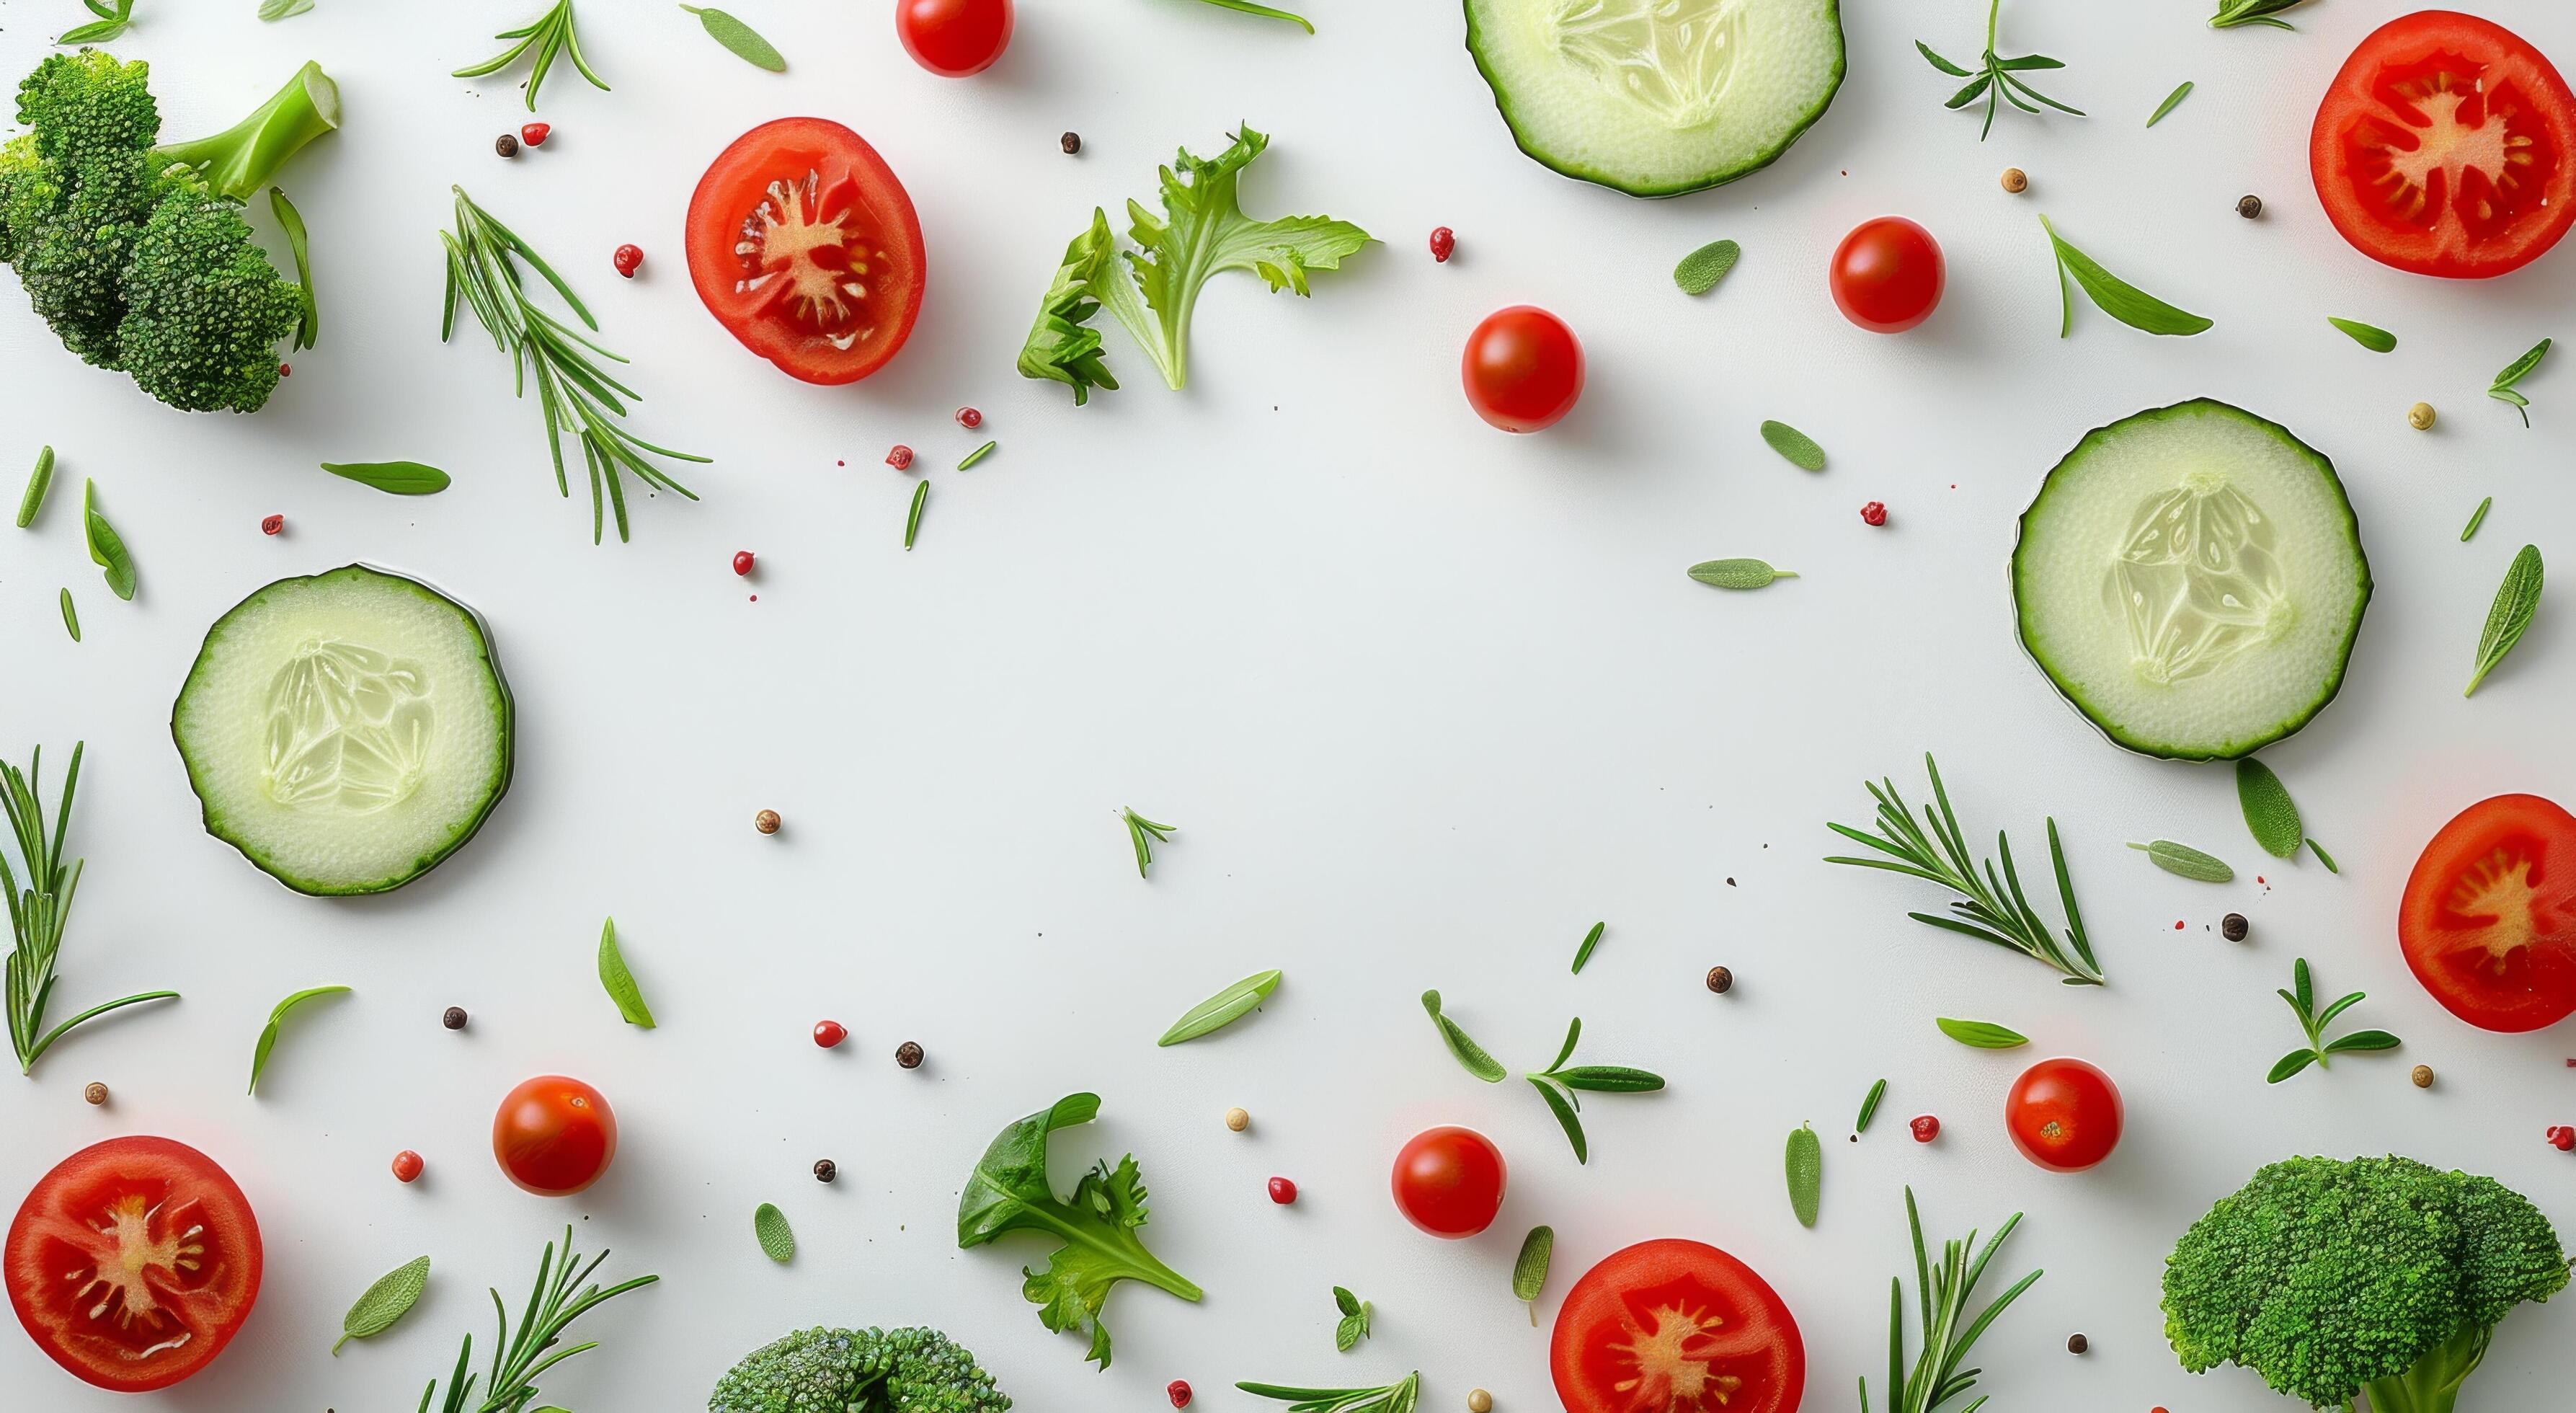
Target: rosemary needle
x=912 y=521
x=977 y=454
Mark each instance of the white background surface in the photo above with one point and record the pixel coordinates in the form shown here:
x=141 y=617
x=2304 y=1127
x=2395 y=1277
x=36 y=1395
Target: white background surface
x=1424 y=700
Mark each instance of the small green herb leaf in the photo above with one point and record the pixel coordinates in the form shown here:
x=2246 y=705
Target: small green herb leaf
x=1806 y=1163
x=1737 y=573
x=2516 y=600
x=1560 y=1104
x=1799 y=449
x=2184 y=861
x=1248 y=8
x=1984 y=1035
x=2323 y=857
x=1869 y=1107
x=1529 y=1269
x=974 y=456
x=1222 y=1009
x=1591 y=940
x=277 y=1017
x=1354 y=1326
x=1142 y=833
x=1609 y=1079
x=912 y=517
x=2269 y=811
x=2504 y=389
x=619 y=981
x=770 y=1226
x=742 y=39
x=2479 y=517
x=2363 y=1040
x=2232 y=13
x=1700 y=270
x=2375 y=339
x=39 y=481
x=308 y=326
x=106 y=547
x=2172 y=101
x=386 y=1301
x=71 y=617
x=284 y=10
x=1470 y=1054
x=2289 y=1065
x=2116 y=297
x=401 y=478
x=102 y=30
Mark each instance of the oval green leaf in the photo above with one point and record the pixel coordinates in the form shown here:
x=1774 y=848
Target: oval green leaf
x=2516 y=600
x=1737 y=573
x=106 y=547
x=2377 y=340
x=1591 y=940
x=1222 y=1009
x=1470 y=1054
x=2184 y=861
x=1806 y=1163
x=2114 y=296
x=385 y=1302
x=1797 y=447
x=1984 y=1035
x=401 y=478
x=1529 y=1269
x=1869 y=1106
x=2363 y=1040
x=2172 y=101
x=1609 y=1079
x=1700 y=270
x=71 y=617
x=42 y=479
x=770 y=1225
x=742 y=39
x=277 y=1017
x=619 y=981
x=2269 y=811
x=2289 y=1065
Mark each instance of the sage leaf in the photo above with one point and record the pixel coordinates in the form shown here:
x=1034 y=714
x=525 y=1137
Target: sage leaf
x=401 y=478
x=1984 y=1035
x=742 y=39
x=2375 y=339
x=770 y=1226
x=1354 y=1325
x=1529 y=1269
x=1559 y=1104
x=1799 y=449
x=71 y=617
x=1700 y=270
x=2516 y=600
x=277 y=1017
x=1591 y=940
x=2184 y=861
x=619 y=981
x=2269 y=811
x=106 y=547
x=1222 y=1009
x=39 y=481
x=2479 y=517
x=308 y=325
x=2114 y=296
x=1738 y=573
x=388 y=1300
x=1470 y=1054
x=1806 y=1163
x=285 y=10
x=1869 y=1106
x=2172 y=101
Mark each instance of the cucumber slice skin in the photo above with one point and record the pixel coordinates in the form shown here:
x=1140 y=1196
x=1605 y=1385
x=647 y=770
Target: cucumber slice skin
x=1537 y=151
x=495 y=785
x=2235 y=746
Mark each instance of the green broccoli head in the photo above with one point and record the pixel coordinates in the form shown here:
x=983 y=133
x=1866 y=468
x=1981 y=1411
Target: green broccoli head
x=2328 y=1277
x=75 y=191
x=204 y=309
x=88 y=105
x=858 y=1371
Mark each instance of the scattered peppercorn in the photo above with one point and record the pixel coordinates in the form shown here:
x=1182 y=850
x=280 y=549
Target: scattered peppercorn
x=1721 y=980
x=1479 y=1401
x=628 y=259
x=1874 y=513
x=2420 y=417
x=1282 y=1191
x=286 y=370
x=2422 y=1075
x=534 y=134
x=969 y=418
x=766 y=821
x=825 y=1170
x=1071 y=143
x=1926 y=1128
x=1236 y=1120
x=830 y=1033
x=94 y=1092
x=407 y=1166
x=742 y=561
x=453 y=1018
x=908 y=1055
x=2249 y=206
x=2233 y=927
x=272 y=524
x=900 y=458
x=2077 y=1344
x=506 y=145
x=2016 y=180
x=1444 y=242
x=1179 y=1389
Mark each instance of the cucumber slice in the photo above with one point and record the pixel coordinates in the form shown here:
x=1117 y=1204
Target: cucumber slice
x=2192 y=579
x=1658 y=97
x=346 y=731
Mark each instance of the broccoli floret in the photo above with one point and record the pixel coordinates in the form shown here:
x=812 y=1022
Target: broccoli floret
x=858 y=1371
x=2328 y=1278
x=138 y=258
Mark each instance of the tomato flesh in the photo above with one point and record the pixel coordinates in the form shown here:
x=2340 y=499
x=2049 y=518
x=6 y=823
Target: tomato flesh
x=1675 y=1326
x=1449 y=1181
x=2488 y=921
x=954 y=38
x=2065 y=1115
x=1888 y=275
x=2444 y=147
x=554 y=1135
x=1523 y=369
x=806 y=247
x=133 y=1263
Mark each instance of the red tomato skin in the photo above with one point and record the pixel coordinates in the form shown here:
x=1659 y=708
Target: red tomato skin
x=1523 y=369
x=177 y=1183
x=2351 y=180
x=1619 y=1299
x=554 y=1135
x=733 y=188
x=1888 y=275
x=2510 y=851
x=1449 y=1181
x=954 y=38
x=2075 y=1097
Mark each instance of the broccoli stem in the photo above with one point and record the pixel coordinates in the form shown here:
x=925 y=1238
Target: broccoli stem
x=239 y=160
x=2433 y=1385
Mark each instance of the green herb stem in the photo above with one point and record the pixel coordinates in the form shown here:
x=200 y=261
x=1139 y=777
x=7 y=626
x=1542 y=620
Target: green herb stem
x=40 y=888
x=550 y=35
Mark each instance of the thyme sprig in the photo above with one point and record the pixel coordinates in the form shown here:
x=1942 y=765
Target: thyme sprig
x=37 y=912
x=1142 y=833
x=1991 y=906
x=553 y=1305
x=1941 y=1294
x=2303 y=1004
x=1993 y=78
x=1398 y=1397
x=550 y=35
x=577 y=394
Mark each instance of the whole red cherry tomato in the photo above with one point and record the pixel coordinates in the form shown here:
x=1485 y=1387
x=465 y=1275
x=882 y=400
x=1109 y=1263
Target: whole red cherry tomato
x=2064 y=1115
x=554 y=1135
x=1887 y=275
x=1449 y=1181
x=954 y=38
x=1523 y=369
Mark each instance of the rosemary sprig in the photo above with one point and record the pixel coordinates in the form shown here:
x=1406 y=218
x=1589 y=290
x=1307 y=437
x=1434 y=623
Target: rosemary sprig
x=1557 y=1085
x=516 y=1364
x=1942 y=1294
x=578 y=396
x=1396 y=1397
x=550 y=34
x=2232 y=13
x=2303 y=1003
x=37 y=913
x=1141 y=832
x=1993 y=77
x=1991 y=907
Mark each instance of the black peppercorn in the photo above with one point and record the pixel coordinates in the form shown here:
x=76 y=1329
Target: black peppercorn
x=1071 y=143
x=2249 y=207
x=454 y=1019
x=2077 y=1344
x=825 y=1170
x=1720 y=980
x=2232 y=927
x=908 y=1055
x=506 y=145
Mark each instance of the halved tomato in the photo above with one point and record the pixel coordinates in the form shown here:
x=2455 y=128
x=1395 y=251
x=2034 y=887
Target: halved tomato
x=1676 y=1326
x=2489 y=917
x=2447 y=146
x=805 y=247
x=133 y=1263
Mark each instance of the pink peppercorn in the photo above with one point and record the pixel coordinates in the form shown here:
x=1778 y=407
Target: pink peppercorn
x=1282 y=1191
x=628 y=259
x=1443 y=241
x=969 y=418
x=1179 y=1392
x=286 y=370
x=1926 y=1128
x=900 y=458
x=742 y=561
x=2563 y=1138
x=830 y=1033
x=1874 y=513
x=272 y=524
x=534 y=134
x=407 y=1166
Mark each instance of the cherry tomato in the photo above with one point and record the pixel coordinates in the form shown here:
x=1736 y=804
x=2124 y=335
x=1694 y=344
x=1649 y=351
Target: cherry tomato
x=2447 y=146
x=2064 y=1115
x=1523 y=369
x=1887 y=275
x=132 y=1264
x=554 y=1136
x=1449 y=1181
x=1676 y=1326
x=954 y=38
x=804 y=246
x=2488 y=920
